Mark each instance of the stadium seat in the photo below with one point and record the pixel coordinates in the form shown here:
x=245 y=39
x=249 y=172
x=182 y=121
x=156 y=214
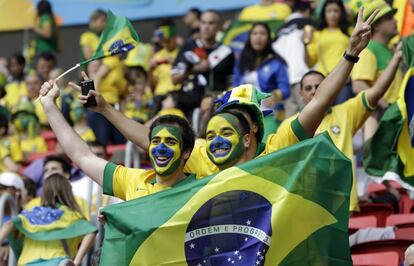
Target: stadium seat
x=356 y=223
x=111 y=149
x=390 y=245
x=376 y=188
x=379 y=210
x=380 y=258
x=406 y=203
x=50 y=139
x=401 y=220
x=405 y=233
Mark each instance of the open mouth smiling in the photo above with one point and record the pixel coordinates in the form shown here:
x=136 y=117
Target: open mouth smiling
x=162 y=160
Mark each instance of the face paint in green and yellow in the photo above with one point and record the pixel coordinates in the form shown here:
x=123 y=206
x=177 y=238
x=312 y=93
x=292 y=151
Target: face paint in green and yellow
x=224 y=142
x=165 y=149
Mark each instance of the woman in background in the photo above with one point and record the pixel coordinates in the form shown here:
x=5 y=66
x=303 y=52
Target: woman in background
x=326 y=46
x=45 y=29
x=260 y=66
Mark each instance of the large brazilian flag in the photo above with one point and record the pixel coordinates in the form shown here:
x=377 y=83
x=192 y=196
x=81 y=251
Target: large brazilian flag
x=289 y=207
x=391 y=149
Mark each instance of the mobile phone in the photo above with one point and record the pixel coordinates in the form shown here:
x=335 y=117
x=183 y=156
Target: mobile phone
x=86 y=86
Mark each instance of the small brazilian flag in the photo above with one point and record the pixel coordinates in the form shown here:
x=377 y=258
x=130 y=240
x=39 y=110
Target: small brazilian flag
x=47 y=224
x=391 y=149
x=238 y=33
x=289 y=207
x=118 y=37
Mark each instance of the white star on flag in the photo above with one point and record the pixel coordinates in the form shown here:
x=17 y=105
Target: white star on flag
x=248 y=222
x=236 y=252
x=245 y=239
x=216 y=249
x=192 y=245
x=240 y=257
x=258 y=253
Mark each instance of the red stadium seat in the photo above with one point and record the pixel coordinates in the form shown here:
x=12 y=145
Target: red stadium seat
x=379 y=210
x=50 y=139
x=111 y=149
x=394 y=245
x=376 y=188
x=405 y=233
x=356 y=223
x=380 y=258
x=401 y=220
x=406 y=203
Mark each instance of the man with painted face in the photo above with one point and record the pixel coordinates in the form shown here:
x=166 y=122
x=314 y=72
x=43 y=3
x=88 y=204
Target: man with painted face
x=171 y=141
x=301 y=128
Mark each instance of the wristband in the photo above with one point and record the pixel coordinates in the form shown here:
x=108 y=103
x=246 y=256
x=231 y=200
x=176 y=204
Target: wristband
x=351 y=58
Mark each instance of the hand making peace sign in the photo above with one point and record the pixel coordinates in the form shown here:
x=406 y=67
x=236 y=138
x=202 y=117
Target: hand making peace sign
x=361 y=35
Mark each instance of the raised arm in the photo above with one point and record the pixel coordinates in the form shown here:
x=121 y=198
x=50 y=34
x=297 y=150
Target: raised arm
x=313 y=113
x=132 y=130
x=77 y=150
x=382 y=84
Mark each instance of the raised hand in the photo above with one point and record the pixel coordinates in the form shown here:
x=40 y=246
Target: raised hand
x=361 y=35
x=49 y=92
x=92 y=93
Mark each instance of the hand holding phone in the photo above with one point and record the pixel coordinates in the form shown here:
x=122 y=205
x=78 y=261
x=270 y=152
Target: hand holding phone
x=86 y=86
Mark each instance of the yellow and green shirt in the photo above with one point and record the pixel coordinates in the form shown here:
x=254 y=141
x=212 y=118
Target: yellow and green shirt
x=372 y=62
x=131 y=183
x=162 y=73
x=342 y=122
x=260 y=12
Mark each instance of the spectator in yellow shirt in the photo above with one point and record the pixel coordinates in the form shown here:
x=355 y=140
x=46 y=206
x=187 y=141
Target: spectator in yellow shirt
x=10 y=154
x=162 y=61
x=139 y=101
x=326 y=46
x=265 y=10
x=16 y=87
x=89 y=40
x=27 y=128
x=80 y=125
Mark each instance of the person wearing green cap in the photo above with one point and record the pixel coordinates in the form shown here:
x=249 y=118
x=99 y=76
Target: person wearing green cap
x=378 y=55
x=301 y=128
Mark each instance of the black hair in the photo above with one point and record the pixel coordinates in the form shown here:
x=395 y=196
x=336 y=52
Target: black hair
x=211 y=10
x=165 y=22
x=248 y=55
x=46 y=56
x=98 y=13
x=343 y=19
x=44 y=7
x=196 y=11
x=243 y=123
x=132 y=73
x=66 y=166
x=4 y=123
x=30 y=186
x=301 y=5
x=173 y=120
x=19 y=59
x=310 y=72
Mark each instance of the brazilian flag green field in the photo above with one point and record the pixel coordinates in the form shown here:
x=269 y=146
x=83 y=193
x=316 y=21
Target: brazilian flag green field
x=286 y=208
